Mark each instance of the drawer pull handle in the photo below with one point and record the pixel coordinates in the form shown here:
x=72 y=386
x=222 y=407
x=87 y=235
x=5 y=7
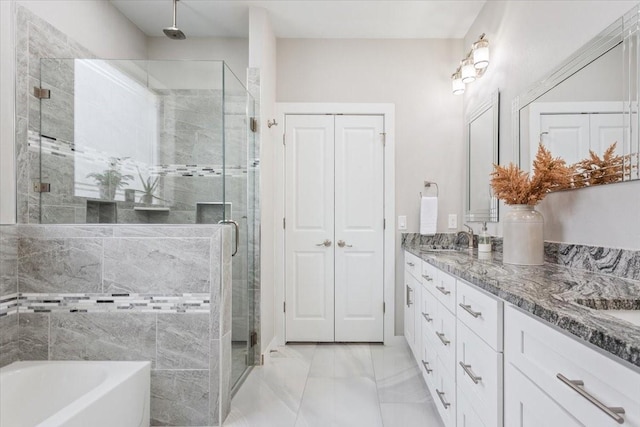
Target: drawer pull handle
x=409 y=302
x=426 y=317
x=427 y=278
x=443 y=338
x=467 y=368
x=426 y=367
x=468 y=309
x=410 y=264
x=443 y=290
x=577 y=386
x=441 y=396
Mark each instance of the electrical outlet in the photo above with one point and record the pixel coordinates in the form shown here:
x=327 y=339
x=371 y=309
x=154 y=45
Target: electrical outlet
x=453 y=221
x=402 y=222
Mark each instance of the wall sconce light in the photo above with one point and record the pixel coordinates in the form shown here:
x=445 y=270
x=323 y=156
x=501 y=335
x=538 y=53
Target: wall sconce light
x=472 y=67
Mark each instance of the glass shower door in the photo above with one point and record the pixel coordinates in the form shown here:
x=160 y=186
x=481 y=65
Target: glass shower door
x=238 y=108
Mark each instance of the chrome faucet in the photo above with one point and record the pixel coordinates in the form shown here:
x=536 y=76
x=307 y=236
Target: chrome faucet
x=469 y=235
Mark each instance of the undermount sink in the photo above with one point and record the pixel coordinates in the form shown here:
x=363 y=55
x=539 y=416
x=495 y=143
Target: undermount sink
x=631 y=316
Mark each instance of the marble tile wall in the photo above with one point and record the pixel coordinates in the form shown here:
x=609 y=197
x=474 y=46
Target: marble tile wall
x=156 y=293
x=8 y=296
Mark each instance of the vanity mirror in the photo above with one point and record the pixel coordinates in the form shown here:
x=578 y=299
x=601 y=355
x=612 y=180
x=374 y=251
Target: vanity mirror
x=482 y=152
x=585 y=111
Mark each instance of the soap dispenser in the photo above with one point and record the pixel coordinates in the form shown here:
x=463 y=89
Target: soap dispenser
x=484 y=239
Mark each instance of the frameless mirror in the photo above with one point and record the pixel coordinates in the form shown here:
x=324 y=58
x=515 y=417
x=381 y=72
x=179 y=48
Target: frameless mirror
x=482 y=154
x=585 y=111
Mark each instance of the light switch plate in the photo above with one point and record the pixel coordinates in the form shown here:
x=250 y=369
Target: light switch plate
x=453 y=221
x=402 y=222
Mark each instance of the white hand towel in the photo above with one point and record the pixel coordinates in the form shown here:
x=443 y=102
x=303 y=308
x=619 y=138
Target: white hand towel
x=428 y=215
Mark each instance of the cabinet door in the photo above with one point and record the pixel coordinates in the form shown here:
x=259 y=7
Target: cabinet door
x=525 y=405
x=409 y=310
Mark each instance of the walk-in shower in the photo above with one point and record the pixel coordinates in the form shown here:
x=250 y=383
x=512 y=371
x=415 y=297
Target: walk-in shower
x=151 y=142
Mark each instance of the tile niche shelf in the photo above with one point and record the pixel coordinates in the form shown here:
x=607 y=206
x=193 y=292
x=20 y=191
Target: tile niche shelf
x=212 y=212
x=152 y=208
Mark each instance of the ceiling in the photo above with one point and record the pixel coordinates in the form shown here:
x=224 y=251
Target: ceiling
x=309 y=18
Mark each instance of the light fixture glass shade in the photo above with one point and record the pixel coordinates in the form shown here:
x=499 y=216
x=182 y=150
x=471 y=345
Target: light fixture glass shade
x=481 y=54
x=468 y=71
x=456 y=83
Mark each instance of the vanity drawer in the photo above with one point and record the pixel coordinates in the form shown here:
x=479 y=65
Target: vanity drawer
x=481 y=312
x=412 y=265
x=428 y=361
x=479 y=375
x=551 y=360
x=445 y=339
x=445 y=290
x=429 y=276
x=466 y=416
x=445 y=395
x=429 y=311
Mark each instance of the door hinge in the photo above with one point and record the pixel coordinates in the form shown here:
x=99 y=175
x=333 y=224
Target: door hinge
x=41 y=93
x=284 y=306
x=384 y=308
x=283 y=139
x=384 y=138
x=41 y=187
x=384 y=224
x=253 y=124
x=284 y=223
x=254 y=338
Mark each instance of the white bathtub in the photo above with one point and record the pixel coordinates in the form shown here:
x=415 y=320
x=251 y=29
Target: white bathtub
x=75 y=394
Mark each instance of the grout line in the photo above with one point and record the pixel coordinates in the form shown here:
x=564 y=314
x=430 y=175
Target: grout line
x=306 y=382
x=375 y=380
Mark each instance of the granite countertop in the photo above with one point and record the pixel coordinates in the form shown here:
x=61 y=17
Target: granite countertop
x=571 y=299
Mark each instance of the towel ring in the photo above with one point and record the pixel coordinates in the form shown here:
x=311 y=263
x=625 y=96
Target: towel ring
x=428 y=184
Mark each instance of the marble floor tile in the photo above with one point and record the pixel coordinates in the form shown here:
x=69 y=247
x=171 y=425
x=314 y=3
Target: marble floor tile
x=342 y=361
x=340 y=402
x=354 y=385
x=410 y=415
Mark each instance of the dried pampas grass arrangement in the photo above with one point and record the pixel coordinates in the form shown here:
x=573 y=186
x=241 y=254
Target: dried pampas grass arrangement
x=515 y=187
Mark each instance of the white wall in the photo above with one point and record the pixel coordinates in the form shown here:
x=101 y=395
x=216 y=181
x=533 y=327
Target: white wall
x=95 y=24
x=262 y=55
x=413 y=75
x=527 y=40
x=234 y=51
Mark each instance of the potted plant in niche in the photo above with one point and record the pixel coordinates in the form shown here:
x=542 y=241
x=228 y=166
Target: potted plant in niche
x=523 y=226
x=149 y=187
x=111 y=179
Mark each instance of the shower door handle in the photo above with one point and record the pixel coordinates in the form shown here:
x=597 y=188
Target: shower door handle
x=235 y=224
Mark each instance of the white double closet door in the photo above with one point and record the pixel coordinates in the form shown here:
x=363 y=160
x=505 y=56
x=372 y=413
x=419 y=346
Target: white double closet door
x=334 y=233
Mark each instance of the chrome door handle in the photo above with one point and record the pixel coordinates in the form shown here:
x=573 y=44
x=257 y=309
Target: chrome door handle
x=235 y=224
x=467 y=368
x=443 y=290
x=410 y=264
x=443 y=338
x=326 y=243
x=577 y=386
x=409 y=290
x=426 y=317
x=342 y=244
x=427 y=278
x=426 y=367
x=468 y=309
x=441 y=396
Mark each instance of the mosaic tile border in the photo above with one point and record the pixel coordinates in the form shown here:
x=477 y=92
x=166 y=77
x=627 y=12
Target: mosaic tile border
x=94 y=303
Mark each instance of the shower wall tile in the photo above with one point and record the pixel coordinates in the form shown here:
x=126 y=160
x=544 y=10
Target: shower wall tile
x=51 y=265
x=8 y=340
x=103 y=336
x=63 y=231
x=159 y=265
x=179 y=398
x=212 y=231
x=183 y=341
x=33 y=336
x=225 y=376
x=214 y=382
x=8 y=264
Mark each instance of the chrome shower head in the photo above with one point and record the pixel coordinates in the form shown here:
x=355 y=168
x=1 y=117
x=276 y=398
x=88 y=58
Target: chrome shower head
x=174 y=32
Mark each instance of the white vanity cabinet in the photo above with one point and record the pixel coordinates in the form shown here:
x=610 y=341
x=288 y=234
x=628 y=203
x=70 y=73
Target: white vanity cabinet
x=579 y=383
x=412 y=300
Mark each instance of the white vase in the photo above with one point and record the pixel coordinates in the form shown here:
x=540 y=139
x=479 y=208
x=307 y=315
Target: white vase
x=523 y=229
